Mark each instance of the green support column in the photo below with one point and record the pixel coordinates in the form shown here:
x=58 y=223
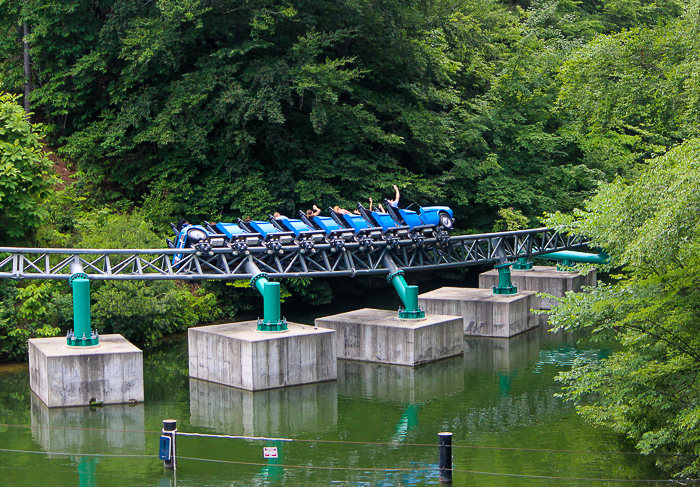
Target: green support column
x=270 y=292
x=82 y=334
x=408 y=295
x=505 y=285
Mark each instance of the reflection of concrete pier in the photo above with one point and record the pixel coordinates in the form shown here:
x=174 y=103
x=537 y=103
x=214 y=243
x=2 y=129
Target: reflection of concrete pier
x=502 y=354
x=286 y=411
x=106 y=429
x=401 y=384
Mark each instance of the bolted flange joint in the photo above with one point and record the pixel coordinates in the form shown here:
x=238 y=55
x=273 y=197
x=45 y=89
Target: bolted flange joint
x=394 y=275
x=77 y=275
x=257 y=277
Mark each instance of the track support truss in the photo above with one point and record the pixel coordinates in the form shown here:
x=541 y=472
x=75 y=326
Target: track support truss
x=156 y=264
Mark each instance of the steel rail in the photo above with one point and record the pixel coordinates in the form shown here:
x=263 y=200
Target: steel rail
x=157 y=264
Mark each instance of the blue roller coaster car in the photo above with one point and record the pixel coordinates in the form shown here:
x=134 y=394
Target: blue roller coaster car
x=194 y=237
x=435 y=216
x=272 y=238
x=306 y=237
x=239 y=239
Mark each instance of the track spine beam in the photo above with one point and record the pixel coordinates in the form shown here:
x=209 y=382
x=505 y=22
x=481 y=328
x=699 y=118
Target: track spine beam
x=156 y=264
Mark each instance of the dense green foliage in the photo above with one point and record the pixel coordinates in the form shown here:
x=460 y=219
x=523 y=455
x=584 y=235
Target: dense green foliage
x=24 y=179
x=650 y=388
x=204 y=108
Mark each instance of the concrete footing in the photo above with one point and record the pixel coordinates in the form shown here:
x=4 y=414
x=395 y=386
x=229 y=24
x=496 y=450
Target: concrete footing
x=111 y=373
x=484 y=313
x=236 y=354
x=376 y=335
x=281 y=412
x=542 y=279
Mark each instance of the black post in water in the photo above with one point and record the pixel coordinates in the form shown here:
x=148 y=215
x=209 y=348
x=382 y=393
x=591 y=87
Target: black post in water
x=445 y=458
x=170 y=429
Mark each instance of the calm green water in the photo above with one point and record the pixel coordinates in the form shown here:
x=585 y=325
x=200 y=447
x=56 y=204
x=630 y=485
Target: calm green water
x=498 y=400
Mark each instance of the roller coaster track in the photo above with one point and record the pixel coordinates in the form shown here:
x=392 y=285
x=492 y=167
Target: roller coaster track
x=156 y=264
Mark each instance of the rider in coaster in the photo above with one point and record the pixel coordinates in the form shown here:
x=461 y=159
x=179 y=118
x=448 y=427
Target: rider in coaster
x=395 y=202
x=341 y=211
x=357 y=212
x=312 y=213
x=277 y=215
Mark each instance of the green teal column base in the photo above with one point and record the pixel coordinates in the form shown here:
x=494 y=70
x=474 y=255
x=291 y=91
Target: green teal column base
x=83 y=341
x=505 y=285
x=523 y=265
x=565 y=266
x=505 y=290
x=280 y=325
x=418 y=314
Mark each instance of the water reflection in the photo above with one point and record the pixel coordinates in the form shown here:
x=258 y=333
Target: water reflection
x=115 y=428
x=112 y=429
x=396 y=383
x=288 y=411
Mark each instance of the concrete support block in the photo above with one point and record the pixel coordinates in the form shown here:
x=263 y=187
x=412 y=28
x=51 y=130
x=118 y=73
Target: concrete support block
x=236 y=354
x=281 y=412
x=114 y=429
x=542 y=279
x=394 y=383
x=375 y=335
x=484 y=313
x=111 y=373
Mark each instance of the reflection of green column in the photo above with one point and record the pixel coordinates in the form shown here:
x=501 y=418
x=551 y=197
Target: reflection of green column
x=412 y=416
x=86 y=472
x=274 y=472
x=504 y=383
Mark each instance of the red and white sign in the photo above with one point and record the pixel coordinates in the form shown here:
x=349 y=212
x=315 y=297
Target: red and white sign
x=269 y=452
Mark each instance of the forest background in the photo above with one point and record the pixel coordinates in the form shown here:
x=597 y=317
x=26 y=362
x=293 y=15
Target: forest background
x=504 y=110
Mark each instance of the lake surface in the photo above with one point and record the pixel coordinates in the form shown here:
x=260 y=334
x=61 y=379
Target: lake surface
x=498 y=400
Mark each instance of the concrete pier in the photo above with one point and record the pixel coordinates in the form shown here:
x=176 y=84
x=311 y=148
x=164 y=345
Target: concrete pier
x=110 y=373
x=484 y=313
x=376 y=335
x=543 y=279
x=282 y=412
x=236 y=354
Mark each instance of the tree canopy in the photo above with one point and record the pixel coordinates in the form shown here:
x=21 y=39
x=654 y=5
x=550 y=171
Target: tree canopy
x=650 y=388
x=24 y=172
x=203 y=108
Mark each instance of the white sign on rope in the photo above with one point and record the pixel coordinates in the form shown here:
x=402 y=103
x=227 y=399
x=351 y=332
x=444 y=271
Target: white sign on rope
x=269 y=452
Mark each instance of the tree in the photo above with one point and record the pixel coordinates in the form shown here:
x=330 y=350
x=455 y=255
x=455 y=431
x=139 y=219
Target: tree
x=25 y=181
x=630 y=96
x=650 y=388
